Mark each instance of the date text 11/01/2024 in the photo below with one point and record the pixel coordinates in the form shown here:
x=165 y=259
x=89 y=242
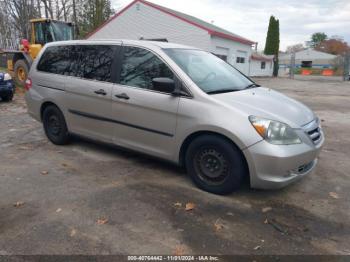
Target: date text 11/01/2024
x=173 y=258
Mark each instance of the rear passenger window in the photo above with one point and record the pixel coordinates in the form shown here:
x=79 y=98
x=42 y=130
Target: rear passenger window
x=140 y=66
x=85 y=61
x=55 y=60
x=96 y=62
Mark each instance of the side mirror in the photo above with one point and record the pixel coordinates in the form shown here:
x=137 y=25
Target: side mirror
x=163 y=84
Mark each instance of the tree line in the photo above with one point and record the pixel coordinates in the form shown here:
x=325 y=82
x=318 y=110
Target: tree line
x=320 y=41
x=86 y=15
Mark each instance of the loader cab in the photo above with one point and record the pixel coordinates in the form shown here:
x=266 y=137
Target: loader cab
x=47 y=30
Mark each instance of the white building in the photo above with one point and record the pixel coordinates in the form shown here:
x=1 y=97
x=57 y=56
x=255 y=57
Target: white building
x=145 y=20
x=261 y=65
x=308 y=58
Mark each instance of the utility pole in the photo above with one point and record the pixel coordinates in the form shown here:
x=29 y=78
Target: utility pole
x=346 y=74
x=292 y=65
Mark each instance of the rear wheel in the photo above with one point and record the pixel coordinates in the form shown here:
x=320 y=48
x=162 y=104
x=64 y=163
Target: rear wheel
x=21 y=72
x=55 y=125
x=215 y=164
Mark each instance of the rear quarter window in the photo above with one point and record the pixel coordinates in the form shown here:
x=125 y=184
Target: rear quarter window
x=55 y=60
x=84 y=61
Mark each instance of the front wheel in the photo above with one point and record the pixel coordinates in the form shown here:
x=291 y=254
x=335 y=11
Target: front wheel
x=215 y=164
x=7 y=98
x=55 y=125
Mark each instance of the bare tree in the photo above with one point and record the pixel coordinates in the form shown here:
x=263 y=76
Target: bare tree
x=21 y=11
x=38 y=6
x=66 y=8
x=48 y=8
x=295 y=48
x=86 y=15
x=75 y=19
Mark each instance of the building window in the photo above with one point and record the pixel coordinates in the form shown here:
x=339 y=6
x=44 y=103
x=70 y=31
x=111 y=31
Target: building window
x=223 y=57
x=306 y=63
x=263 y=65
x=240 y=60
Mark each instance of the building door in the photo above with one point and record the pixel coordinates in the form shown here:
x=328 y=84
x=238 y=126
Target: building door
x=242 y=63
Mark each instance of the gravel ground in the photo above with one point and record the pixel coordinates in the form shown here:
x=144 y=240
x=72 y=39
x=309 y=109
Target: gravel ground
x=91 y=198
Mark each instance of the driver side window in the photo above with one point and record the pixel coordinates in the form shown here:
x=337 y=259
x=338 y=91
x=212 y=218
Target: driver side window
x=140 y=66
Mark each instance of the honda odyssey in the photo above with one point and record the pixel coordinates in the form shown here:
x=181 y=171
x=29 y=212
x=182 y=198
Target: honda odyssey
x=177 y=103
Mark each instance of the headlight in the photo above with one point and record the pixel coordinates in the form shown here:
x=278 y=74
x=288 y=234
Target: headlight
x=7 y=77
x=275 y=132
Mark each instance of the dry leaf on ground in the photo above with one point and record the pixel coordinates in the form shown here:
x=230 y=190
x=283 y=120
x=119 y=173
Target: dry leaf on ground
x=178 y=204
x=334 y=195
x=218 y=225
x=102 y=221
x=44 y=173
x=179 y=250
x=189 y=206
x=73 y=232
x=25 y=147
x=18 y=204
x=58 y=210
x=257 y=247
x=266 y=209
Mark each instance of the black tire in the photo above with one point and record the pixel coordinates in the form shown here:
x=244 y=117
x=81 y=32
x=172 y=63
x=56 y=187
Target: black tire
x=215 y=164
x=21 y=65
x=55 y=126
x=7 y=98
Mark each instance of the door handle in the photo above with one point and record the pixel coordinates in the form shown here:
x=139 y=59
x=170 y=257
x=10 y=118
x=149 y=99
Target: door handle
x=100 y=92
x=122 y=96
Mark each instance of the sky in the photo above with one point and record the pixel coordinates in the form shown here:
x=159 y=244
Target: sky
x=249 y=18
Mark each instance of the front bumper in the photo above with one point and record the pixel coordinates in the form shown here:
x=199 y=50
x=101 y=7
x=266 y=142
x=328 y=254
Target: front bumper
x=6 y=89
x=276 y=166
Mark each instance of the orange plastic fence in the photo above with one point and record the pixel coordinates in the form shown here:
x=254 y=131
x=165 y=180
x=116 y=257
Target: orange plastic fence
x=327 y=72
x=305 y=72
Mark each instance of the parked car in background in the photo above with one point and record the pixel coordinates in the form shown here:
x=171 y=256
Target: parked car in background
x=178 y=103
x=7 y=87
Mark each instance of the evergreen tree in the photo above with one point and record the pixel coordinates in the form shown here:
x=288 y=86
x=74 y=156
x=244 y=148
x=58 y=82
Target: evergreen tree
x=93 y=14
x=273 y=42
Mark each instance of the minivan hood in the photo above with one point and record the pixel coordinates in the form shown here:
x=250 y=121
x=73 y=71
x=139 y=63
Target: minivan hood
x=267 y=103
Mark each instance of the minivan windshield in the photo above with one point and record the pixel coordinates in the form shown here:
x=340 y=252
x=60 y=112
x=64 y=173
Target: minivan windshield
x=210 y=73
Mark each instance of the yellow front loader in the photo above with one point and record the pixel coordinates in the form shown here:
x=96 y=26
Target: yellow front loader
x=43 y=31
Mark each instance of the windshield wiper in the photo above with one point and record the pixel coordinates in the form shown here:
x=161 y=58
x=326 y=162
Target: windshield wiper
x=251 y=86
x=220 y=91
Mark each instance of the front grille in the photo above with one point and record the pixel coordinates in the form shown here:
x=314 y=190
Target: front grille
x=313 y=130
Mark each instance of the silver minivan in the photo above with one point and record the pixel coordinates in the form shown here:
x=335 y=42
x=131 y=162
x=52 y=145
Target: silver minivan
x=177 y=103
